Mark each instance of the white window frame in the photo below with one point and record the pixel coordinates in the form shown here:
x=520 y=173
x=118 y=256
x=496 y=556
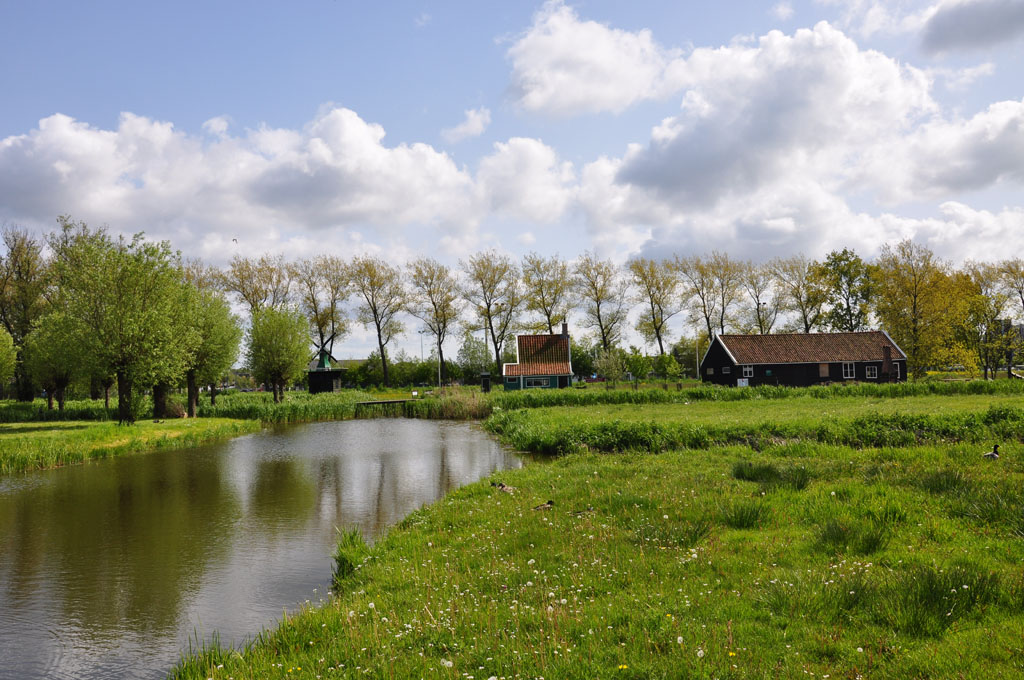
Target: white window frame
x=871 y=372
x=849 y=370
x=726 y=370
x=538 y=382
x=897 y=367
x=748 y=371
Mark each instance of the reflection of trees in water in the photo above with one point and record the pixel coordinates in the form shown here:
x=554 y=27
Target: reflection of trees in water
x=121 y=544
x=282 y=493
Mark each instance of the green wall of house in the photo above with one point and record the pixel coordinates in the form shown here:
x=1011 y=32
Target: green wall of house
x=548 y=382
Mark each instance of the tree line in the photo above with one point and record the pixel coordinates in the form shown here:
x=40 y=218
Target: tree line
x=82 y=305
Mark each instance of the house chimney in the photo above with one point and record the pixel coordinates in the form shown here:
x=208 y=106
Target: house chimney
x=886 y=361
x=565 y=328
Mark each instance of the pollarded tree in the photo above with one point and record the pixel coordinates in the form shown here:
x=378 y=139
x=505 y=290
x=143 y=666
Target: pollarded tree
x=547 y=285
x=278 y=347
x=1011 y=272
x=51 y=355
x=127 y=294
x=600 y=287
x=658 y=288
x=24 y=278
x=434 y=299
x=758 y=282
x=382 y=297
x=8 y=357
x=495 y=295
x=698 y=282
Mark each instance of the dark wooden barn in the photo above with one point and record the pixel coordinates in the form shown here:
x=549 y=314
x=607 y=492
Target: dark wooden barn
x=801 y=359
x=322 y=376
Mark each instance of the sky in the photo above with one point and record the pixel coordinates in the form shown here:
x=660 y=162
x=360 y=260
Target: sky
x=413 y=128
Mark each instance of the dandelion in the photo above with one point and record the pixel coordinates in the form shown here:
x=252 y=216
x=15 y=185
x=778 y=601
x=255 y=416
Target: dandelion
x=732 y=653
x=679 y=640
x=700 y=653
x=446 y=663
x=860 y=649
x=623 y=666
x=371 y=606
x=664 y=516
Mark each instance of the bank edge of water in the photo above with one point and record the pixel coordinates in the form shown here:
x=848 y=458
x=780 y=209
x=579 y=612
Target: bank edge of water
x=659 y=566
x=26 y=447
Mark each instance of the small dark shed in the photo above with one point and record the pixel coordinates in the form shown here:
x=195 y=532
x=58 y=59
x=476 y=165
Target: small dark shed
x=322 y=377
x=801 y=359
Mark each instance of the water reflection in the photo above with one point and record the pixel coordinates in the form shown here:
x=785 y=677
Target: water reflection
x=108 y=569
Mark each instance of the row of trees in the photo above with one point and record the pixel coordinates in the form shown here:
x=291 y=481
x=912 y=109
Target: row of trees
x=80 y=304
x=937 y=313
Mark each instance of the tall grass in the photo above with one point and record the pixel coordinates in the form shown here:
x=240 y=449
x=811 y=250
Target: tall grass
x=560 y=433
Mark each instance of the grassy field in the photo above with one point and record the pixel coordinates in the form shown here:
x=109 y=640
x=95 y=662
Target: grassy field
x=802 y=559
x=28 y=446
x=789 y=558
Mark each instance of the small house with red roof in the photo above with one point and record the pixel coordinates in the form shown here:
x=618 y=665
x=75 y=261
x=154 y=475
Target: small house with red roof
x=801 y=359
x=542 y=361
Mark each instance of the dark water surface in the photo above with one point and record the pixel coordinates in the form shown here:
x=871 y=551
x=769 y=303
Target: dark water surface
x=108 y=569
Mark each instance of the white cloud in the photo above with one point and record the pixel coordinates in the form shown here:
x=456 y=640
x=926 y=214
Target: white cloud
x=972 y=24
x=867 y=18
x=565 y=66
x=473 y=125
x=782 y=11
x=523 y=178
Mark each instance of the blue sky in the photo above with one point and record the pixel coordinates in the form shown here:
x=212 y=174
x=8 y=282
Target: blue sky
x=410 y=128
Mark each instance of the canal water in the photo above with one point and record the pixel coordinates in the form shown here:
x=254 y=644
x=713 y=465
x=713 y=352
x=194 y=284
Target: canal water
x=112 y=569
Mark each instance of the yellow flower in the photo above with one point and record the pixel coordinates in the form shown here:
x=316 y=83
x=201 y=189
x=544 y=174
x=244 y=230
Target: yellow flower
x=732 y=653
x=623 y=667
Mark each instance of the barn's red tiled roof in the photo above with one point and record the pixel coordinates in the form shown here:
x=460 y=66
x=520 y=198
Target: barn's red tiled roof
x=797 y=348
x=541 y=355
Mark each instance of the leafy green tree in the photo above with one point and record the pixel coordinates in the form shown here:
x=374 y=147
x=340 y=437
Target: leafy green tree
x=24 y=278
x=382 y=297
x=495 y=295
x=611 y=364
x=847 y=281
x=435 y=301
x=638 y=364
x=278 y=347
x=127 y=294
x=547 y=284
x=473 y=358
x=258 y=283
x=657 y=286
x=8 y=357
x=912 y=301
x=321 y=287
x=667 y=367
x=217 y=333
x=582 y=353
x=603 y=293
x=803 y=289
x=52 y=357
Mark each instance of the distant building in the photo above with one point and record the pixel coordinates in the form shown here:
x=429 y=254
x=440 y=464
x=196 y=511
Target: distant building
x=323 y=377
x=542 y=361
x=801 y=359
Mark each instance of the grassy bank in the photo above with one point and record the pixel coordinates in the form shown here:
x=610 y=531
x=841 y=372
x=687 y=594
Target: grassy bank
x=796 y=560
x=849 y=421
x=25 y=446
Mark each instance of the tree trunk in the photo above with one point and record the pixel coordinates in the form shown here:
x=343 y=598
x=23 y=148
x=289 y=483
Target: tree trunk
x=383 y=361
x=59 y=393
x=23 y=383
x=193 y=393
x=124 y=399
x=444 y=368
x=95 y=388
x=49 y=400
x=213 y=394
x=160 y=400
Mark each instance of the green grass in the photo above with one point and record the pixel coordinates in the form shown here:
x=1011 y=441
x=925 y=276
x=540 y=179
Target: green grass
x=675 y=566
x=26 y=446
x=850 y=421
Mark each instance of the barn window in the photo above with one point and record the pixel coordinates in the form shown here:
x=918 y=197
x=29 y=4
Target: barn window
x=849 y=371
x=871 y=372
x=726 y=370
x=897 y=367
x=748 y=371
x=823 y=370
x=537 y=382
x=711 y=370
